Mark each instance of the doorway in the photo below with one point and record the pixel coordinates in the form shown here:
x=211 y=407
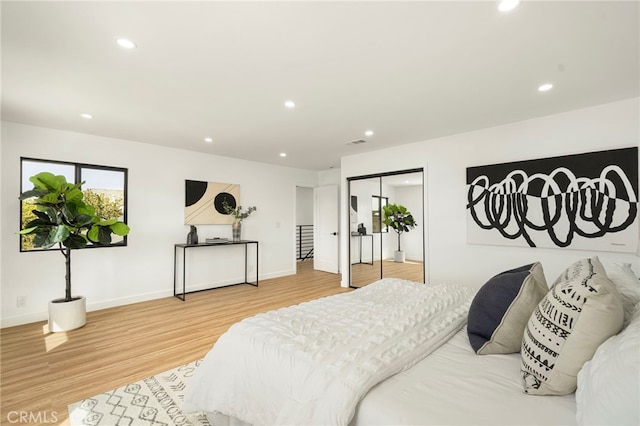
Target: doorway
x=326 y=238
x=317 y=228
x=304 y=226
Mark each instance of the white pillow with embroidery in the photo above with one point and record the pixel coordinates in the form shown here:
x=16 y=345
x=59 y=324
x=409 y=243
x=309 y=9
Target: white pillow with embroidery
x=580 y=312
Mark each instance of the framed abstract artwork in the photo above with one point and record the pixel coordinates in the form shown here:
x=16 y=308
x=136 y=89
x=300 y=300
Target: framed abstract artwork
x=585 y=201
x=204 y=202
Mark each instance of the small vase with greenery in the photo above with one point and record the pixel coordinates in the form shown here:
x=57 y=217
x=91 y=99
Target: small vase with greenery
x=401 y=220
x=65 y=221
x=239 y=215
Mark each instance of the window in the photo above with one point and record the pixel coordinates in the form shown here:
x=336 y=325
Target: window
x=377 y=203
x=104 y=188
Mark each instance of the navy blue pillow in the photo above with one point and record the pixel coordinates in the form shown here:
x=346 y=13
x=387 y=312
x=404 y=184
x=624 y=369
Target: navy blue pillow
x=500 y=310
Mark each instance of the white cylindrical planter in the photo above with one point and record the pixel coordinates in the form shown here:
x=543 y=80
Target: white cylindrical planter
x=398 y=256
x=66 y=316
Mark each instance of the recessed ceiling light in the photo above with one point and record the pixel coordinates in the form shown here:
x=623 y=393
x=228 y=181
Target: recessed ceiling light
x=126 y=43
x=290 y=104
x=369 y=133
x=283 y=154
x=87 y=116
x=507 y=5
x=545 y=87
x=208 y=140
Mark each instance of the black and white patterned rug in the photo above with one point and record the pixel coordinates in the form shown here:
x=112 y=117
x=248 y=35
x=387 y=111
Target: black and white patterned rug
x=156 y=401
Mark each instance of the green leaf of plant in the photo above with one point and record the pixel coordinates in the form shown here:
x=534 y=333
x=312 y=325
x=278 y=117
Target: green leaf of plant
x=58 y=234
x=68 y=212
x=75 y=242
x=50 y=198
x=51 y=212
x=49 y=181
x=87 y=209
x=82 y=220
x=104 y=235
x=27 y=230
x=40 y=223
x=39 y=180
x=74 y=195
x=41 y=215
x=31 y=193
x=107 y=222
x=92 y=235
x=120 y=228
x=41 y=239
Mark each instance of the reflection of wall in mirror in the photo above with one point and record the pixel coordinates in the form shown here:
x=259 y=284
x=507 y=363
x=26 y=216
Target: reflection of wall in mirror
x=353 y=213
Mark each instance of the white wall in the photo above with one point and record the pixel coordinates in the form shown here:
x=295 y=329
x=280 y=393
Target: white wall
x=329 y=177
x=304 y=203
x=144 y=269
x=448 y=256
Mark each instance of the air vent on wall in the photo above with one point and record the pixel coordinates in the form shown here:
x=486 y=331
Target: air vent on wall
x=356 y=142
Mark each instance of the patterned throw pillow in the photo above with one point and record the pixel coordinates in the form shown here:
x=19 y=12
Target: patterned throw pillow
x=501 y=308
x=582 y=310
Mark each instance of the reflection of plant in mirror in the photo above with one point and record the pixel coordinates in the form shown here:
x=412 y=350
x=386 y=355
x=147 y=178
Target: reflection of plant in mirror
x=399 y=218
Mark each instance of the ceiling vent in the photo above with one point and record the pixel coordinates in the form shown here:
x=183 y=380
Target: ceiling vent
x=356 y=142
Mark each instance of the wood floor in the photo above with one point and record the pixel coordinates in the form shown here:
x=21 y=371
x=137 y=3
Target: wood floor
x=364 y=273
x=41 y=372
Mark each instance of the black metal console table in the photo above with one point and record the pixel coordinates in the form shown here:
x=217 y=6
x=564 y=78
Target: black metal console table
x=184 y=247
x=360 y=236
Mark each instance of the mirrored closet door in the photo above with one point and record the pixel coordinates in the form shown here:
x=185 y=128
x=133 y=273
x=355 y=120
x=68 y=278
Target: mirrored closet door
x=373 y=246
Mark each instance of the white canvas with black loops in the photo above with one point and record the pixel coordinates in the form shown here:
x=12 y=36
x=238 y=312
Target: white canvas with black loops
x=582 y=310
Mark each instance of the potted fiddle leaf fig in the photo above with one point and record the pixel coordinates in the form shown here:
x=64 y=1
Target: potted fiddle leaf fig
x=401 y=220
x=64 y=221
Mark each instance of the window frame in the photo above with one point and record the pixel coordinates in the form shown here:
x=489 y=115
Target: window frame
x=77 y=174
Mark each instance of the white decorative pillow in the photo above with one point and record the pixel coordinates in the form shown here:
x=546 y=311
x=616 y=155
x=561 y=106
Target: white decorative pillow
x=628 y=285
x=609 y=385
x=582 y=310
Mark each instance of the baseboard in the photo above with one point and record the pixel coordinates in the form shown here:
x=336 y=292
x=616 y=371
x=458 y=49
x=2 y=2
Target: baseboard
x=105 y=304
x=278 y=274
x=24 y=319
x=113 y=303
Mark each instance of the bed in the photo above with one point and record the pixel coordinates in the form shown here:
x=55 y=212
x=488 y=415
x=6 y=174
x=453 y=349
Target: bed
x=454 y=386
x=403 y=353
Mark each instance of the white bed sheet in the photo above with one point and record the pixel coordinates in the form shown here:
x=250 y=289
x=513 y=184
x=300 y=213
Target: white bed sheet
x=311 y=363
x=454 y=386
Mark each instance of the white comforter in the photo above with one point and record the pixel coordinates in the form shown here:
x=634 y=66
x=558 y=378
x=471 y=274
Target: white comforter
x=312 y=363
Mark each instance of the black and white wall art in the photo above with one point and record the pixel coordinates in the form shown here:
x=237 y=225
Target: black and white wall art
x=585 y=201
x=204 y=202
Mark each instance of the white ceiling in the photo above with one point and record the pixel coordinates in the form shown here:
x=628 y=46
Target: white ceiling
x=409 y=71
